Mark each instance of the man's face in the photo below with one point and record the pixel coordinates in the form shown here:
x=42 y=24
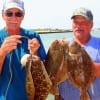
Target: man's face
x=81 y=27
x=13 y=17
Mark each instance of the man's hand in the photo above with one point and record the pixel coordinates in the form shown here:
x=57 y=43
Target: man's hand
x=33 y=46
x=10 y=43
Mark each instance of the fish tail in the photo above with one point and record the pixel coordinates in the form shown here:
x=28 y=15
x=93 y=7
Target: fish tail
x=84 y=95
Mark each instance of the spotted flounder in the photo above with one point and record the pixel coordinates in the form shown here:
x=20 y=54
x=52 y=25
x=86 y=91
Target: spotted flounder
x=38 y=83
x=81 y=71
x=56 y=63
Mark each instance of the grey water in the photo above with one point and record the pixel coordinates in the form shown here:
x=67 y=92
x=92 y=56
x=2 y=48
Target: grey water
x=48 y=38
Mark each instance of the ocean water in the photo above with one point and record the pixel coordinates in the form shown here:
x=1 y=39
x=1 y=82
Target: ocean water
x=50 y=37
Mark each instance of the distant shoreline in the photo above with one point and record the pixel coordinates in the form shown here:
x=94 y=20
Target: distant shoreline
x=52 y=32
x=45 y=31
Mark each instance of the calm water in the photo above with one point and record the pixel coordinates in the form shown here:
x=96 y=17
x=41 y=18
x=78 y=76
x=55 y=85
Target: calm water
x=50 y=37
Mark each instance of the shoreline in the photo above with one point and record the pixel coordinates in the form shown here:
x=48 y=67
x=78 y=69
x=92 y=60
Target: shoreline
x=45 y=31
x=52 y=32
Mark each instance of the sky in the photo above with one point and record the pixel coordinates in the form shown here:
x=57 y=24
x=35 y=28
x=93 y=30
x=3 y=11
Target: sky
x=54 y=13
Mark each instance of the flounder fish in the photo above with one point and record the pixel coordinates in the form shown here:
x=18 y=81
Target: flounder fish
x=81 y=71
x=37 y=77
x=55 y=63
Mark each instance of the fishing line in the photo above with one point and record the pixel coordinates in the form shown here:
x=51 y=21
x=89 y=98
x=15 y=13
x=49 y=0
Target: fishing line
x=10 y=70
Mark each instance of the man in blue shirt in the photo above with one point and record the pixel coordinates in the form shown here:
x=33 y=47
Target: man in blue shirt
x=13 y=45
x=82 y=23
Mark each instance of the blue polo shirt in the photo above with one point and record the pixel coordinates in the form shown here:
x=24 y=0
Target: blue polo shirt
x=69 y=91
x=12 y=78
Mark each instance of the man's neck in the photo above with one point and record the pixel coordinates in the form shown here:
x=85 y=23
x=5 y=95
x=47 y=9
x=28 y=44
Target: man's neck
x=13 y=31
x=82 y=41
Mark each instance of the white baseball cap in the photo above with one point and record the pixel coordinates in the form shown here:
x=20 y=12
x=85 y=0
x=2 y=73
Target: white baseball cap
x=8 y=4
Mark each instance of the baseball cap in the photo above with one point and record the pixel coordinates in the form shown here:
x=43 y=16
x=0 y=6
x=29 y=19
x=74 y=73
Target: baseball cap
x=8 y=4
x=83 y=12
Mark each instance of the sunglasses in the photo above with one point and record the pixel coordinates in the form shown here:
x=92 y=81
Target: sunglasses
x=17 y=14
